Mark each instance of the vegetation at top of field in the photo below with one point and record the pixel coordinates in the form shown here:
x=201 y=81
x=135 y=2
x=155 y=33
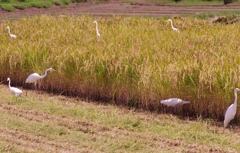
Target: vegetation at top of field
x=136 y=62
x=226 y=17
x=10 y=5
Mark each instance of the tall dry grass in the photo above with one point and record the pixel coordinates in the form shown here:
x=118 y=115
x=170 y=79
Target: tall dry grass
x=136 y=62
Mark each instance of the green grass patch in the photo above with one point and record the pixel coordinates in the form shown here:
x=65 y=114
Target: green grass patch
x=210 y=15
x=7 y=7
x=23 y=4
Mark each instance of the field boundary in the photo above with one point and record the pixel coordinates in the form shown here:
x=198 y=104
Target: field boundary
x=106 y=9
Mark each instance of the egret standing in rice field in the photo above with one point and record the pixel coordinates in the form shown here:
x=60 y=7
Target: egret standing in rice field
x=98 y=35
x=32 y=78
x=14 y=90
x=11 y=35
x=231 y=111
x=175 y=29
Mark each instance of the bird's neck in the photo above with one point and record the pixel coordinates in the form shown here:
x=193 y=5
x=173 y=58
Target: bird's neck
x=235 y=101
x=172 y=25
x=45 y=74
x=9 y=30
x=96 y=27
x=9 y=82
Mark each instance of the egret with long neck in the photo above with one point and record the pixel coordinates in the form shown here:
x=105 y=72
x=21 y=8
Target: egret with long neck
x=14 y=90
x=32 y=78
x=175 y=29
x=231 y=111
x=98 y=35
x=11 y=35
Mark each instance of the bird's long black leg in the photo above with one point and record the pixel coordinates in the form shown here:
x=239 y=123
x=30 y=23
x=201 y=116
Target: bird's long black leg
x=35 y=84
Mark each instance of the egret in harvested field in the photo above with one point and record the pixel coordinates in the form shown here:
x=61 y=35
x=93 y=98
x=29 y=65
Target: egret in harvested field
x=97 y=28
x=175 y=29
x=32 y=78
x=14 y=90
x=231 y=111
x=11 y=35
x=174 y=101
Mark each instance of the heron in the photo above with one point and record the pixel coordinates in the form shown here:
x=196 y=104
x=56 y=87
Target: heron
x=175 y=29
x=232 y=109
x=174 y=102
x=97 y=28
x=11 y=35
x=32 y=78
x=14 y=90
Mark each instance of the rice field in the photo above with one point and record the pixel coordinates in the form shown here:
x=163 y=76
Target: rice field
x=136 y=62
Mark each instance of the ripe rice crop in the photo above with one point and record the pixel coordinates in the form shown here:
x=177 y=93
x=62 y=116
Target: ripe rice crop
x=136 y=61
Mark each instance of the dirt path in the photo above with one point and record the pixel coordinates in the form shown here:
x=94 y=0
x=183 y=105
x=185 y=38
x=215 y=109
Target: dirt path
x=120 y=8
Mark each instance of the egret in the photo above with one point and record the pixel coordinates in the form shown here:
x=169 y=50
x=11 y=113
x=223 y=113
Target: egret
x=32 y=78
x=11 y=35
x=174 y=101
x=97 y=28
x=232 y=109
x=14 y=90
x=175 y=29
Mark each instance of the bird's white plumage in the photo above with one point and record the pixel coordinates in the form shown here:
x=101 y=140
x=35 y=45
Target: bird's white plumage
x=32 y=78
x=97 y=28
x=174 y=101
x=11 y=35
x=231 y=111
x=175 y=29
x=14 y=90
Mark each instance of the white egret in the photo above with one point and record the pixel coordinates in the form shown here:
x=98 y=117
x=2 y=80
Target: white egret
x=175 y=29
x=32 y=78
x=174 y=101
x=232 y=109
x=97 y=28
x=14 y=90
x=11 y=35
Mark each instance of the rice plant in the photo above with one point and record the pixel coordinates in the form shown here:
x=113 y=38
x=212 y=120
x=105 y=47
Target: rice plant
x=136 y=62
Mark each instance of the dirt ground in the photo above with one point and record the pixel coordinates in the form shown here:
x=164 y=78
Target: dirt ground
x=116 y=7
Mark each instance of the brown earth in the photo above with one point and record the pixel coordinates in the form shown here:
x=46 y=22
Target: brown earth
x=115 y=7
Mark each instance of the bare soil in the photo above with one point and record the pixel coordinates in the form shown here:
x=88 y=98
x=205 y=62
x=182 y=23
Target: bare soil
x=116 y=7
